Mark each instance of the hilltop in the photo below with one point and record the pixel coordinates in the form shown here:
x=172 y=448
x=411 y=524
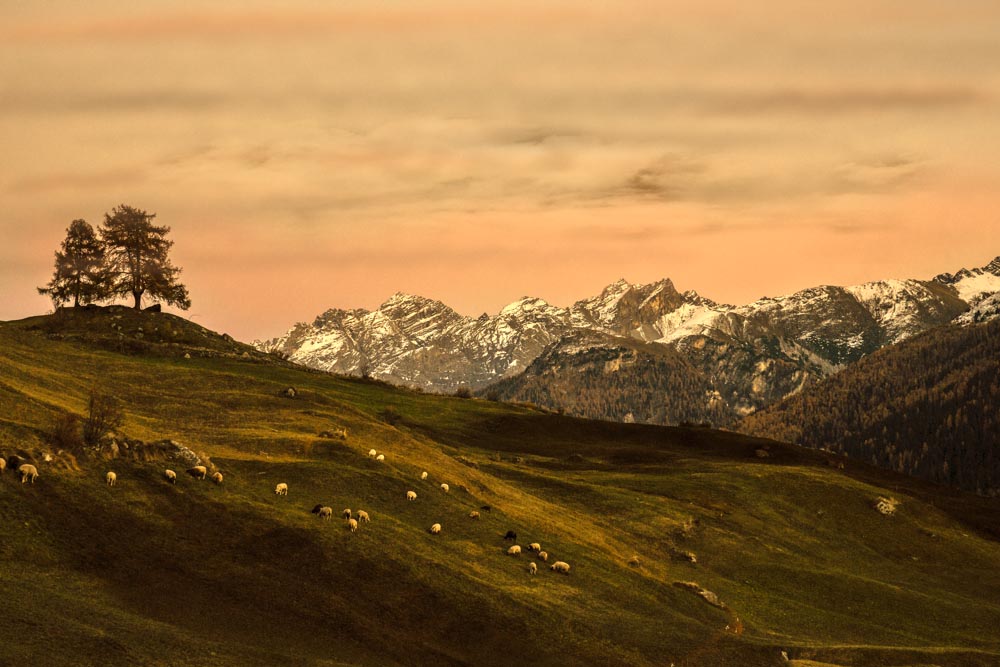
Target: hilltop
x=148 y=573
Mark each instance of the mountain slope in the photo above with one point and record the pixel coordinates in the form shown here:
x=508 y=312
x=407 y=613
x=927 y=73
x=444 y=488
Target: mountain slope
x=604 y=377
x=146 y=573
x=926 y=407
x=752 y=355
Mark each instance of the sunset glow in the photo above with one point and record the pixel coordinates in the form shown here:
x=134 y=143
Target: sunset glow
x=310 y=155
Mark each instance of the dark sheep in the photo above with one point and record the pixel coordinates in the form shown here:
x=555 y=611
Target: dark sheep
x=511 y=535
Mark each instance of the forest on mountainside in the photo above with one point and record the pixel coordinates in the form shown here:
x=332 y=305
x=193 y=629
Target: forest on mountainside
x=926 y=407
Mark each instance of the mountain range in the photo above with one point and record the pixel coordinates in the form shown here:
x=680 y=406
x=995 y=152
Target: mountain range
x=737 y=359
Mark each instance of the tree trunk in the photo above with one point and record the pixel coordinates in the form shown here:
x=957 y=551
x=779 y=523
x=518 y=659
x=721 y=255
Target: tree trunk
x=138 y=300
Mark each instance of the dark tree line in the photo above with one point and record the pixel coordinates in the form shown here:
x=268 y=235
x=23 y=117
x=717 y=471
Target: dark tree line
x=928 y=407
x=128 y=256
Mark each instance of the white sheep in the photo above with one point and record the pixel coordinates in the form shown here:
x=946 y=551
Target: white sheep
x=217 y=477
x=380 y=458
x=170 y=476
x=28 y=473
x=363 y=516
x=532 y=568
x=445 y=487
x=323 y=512
x=352 y=525
x=543 y=556
x=411 y=495
x=473 y=514
x=3 y=464
x=534 y=546
x=372 y=453
x=423 y=475
x=198 y=472
x=111 y=478
x=560 y=566
x=514 y=550
x=436 y=529
x=281 y=489
x=346 y=513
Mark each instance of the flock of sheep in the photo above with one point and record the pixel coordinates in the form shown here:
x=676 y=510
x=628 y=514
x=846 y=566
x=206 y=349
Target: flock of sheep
x=29 y=473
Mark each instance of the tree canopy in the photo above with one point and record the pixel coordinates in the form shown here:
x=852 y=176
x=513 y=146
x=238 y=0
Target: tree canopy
x=137 y=257
x=80 y=274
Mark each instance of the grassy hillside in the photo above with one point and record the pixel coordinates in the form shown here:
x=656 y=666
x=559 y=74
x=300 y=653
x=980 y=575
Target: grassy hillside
x=146 y=573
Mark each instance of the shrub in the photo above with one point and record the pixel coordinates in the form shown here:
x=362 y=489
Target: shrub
x=105 y=415
x=66 y=432
x=463 y=392
x=390 y=416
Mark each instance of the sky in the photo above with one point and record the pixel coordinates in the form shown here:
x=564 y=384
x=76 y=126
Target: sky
x=311 y=155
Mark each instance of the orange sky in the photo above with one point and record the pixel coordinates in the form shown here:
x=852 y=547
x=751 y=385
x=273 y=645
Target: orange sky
x=311 y=154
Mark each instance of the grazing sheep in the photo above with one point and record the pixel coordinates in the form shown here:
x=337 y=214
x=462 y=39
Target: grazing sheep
x=3 y=464
x=423 y=475
x=411 y=495
x=436 y=529
x=534 y=546
x=363 y=517
x=372 y=453
x=281 y=489
x=170 y=476
x=323 y=512
x=111 y=478
x=486 y=508
x=514 y=550
x=346 y=513
x=560 y=566
x=511 y=535
x=380 y=458
x=532 y=568
x=634 y=561
x=543 y=556
x=28 y=473
x=473 y=514
x=445 y=487
x=217 y=477
x=198 y=472
x=352 y=525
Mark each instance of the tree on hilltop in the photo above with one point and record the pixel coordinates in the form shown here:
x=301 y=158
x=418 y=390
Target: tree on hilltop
x=137 y=255
x=79 y=274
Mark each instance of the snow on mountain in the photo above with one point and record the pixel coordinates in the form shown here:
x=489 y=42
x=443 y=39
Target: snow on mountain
x=752 y=355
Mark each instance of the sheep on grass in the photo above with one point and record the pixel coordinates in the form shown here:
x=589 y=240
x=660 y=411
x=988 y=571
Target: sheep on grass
x=346 y=513
x=363 y=516
x=543 y=556
x=436 y=529
x=445 y=488
x=198 y=472
x=352 y=525
x=217 y=477
x=560 y=567
x=411 y=495
x=534 y=546
x=170 y=476
x=281 y=489
x=514 y=550
x=3 y=464
x=473 y=514
x=323 y=512
x=111 y=478
x=28 y=473
x=380 y=458
x=532 y=568
x=423 y=475
x=511 y=535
